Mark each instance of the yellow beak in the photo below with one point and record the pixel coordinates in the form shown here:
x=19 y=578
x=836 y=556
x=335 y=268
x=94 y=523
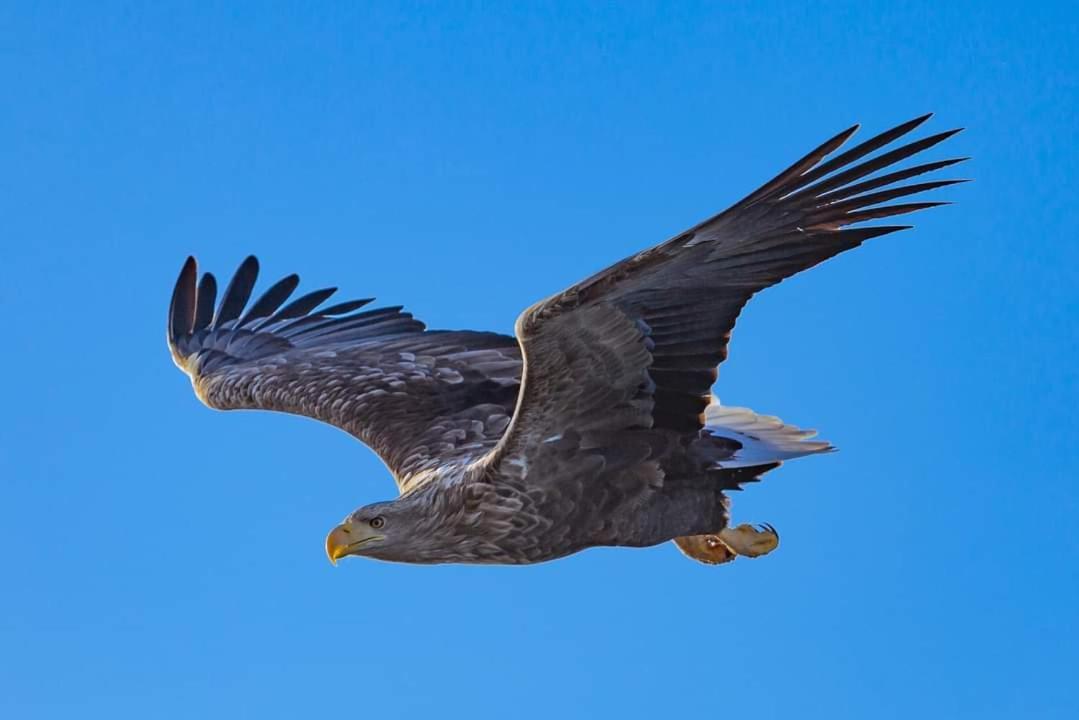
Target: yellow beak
x=337 y=543
x=346 y=538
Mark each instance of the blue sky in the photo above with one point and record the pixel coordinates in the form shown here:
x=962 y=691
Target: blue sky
x=165 y=561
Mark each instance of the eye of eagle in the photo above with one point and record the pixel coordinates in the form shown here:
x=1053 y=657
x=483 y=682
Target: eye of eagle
x=377 y=522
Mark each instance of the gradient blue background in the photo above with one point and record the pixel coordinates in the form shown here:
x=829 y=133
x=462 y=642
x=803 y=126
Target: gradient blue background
x=164 y=561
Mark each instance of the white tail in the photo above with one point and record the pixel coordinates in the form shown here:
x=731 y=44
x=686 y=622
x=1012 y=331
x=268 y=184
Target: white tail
x=764 y=438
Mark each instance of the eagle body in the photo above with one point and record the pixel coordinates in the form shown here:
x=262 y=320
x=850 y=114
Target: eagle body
x=481 y=520
x=595 y=425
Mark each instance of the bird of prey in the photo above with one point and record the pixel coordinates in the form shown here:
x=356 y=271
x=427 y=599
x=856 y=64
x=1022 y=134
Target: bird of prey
x=596 y=425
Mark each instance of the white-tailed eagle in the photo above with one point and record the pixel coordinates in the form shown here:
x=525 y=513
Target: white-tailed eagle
x=596 y=424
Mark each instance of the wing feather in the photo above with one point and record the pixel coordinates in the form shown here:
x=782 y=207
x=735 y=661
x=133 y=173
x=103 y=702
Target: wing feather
x=419 y=398
x=302 y=305
x=204 y=305
x=271 y=299
x=237 y=292
x=684 y=296
x=182 y=307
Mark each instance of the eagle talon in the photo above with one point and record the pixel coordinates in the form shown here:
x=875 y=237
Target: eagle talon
x=749 y=541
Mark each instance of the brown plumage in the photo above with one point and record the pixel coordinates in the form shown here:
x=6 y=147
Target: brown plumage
x=612 y=436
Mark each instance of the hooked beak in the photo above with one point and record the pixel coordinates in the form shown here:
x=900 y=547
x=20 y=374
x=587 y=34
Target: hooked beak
x=346 y=539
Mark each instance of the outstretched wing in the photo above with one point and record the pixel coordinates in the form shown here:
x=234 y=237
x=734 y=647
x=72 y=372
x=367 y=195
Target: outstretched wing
x=419 y=398
x=630 y=354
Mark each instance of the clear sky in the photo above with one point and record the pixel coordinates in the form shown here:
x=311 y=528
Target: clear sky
x=161 y=560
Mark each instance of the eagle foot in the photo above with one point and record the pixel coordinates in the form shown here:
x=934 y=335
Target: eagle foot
x=729 y=543
x=708 y=549
x=749 y=541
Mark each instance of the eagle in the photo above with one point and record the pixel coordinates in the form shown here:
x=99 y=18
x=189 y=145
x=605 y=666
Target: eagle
x=596 y=425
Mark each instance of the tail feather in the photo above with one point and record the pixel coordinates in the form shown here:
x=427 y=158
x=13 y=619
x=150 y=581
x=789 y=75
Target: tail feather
x=763 y=439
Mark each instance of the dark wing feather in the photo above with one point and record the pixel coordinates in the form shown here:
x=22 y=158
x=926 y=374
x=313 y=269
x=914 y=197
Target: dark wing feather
x=347 y=307
x=204 y=305
x=302 y=305
x=419 y=398
x=690 y=290
x=631 y=353
x=271 y=299
x=237 y=292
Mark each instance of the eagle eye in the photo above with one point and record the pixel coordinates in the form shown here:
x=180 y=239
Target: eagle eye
x=377 y=522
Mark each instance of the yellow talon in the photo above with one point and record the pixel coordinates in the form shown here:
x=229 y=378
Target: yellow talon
x=749 y=541
x=729 y=543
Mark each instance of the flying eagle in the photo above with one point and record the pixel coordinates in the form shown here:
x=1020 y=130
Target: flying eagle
x=596 y=425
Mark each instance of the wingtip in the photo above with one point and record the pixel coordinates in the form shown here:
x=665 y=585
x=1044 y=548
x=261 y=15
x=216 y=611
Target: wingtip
x=849 y=132
x=248 y=266
x=903 y=128
x=237 y=292
x=949 y=133
x=190 y=267
x=206 y=296
x=182 y=303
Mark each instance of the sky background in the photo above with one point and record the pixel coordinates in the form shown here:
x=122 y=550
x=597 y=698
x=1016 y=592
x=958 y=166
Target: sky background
x=161 y=560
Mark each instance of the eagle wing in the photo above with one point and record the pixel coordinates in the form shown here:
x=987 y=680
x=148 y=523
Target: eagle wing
x=627 y=357
x=419 y=398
